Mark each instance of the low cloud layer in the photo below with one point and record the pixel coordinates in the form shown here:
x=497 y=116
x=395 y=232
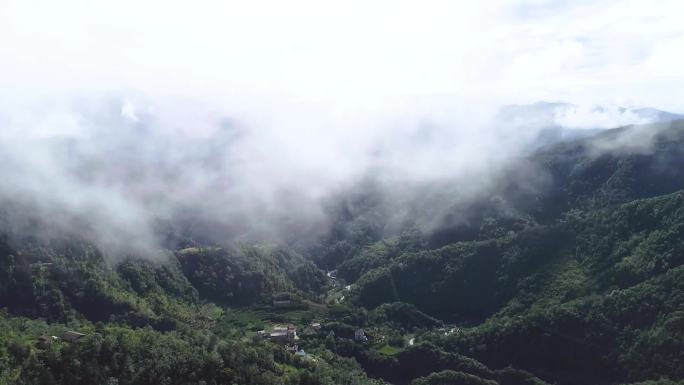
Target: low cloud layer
x=125 y=173
x=128 y=173
x=129 y=122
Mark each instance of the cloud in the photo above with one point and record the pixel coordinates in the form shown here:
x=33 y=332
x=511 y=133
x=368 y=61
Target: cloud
x=604 y=117
x=349 y=55
x=242 y=117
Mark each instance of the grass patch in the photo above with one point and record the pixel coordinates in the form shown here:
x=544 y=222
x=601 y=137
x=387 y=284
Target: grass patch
x=233 y=320
x=388 y=350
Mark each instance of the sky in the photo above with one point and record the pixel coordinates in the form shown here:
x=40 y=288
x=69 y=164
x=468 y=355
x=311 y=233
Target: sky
x=132 y=112
x=355 y=55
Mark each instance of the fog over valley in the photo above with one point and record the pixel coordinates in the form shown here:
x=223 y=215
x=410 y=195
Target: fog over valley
x=127 y=172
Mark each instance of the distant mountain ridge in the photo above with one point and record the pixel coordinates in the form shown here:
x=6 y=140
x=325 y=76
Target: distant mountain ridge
x=567 y=115
x=559 y=121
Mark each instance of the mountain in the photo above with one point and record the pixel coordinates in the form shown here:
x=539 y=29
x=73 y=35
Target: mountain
x=578 y=289
x=572 y=116
x=568 y=270
x=558 y=122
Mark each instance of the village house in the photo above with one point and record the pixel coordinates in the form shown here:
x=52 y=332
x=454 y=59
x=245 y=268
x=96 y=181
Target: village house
x=282 y=303
x=45 y=341
x=360 y=335
x=280 y=334
x=294 y=349
x=72 y=336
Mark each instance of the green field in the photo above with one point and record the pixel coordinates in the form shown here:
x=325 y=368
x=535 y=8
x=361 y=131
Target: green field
x=388 y=350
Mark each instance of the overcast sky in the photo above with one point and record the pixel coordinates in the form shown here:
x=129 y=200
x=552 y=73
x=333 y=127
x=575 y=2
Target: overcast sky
x=350 y=54
x=251 y=113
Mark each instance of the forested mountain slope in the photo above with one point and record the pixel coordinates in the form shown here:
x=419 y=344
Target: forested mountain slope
x=583 y=287
x=570 y=270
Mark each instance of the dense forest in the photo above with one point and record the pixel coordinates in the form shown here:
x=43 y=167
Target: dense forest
x=570 y=270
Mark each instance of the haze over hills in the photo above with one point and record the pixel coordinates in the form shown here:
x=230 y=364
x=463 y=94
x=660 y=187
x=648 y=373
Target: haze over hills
x=113 y=170
x=567 y=115
x=559 y=121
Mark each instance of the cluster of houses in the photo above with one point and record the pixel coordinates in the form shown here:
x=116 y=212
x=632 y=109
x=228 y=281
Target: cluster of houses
x=280 y=333
x=68 y=336
x=289 y=333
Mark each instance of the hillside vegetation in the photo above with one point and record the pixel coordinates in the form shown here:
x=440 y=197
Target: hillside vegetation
x=569 y=271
